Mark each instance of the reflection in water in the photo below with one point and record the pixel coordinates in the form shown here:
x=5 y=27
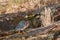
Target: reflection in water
x=22 y=25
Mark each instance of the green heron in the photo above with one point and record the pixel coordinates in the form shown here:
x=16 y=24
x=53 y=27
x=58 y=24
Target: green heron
x=25 y=23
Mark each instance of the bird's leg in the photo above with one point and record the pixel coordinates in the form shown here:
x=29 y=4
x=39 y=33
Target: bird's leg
x=21 y=32
x=24 y=32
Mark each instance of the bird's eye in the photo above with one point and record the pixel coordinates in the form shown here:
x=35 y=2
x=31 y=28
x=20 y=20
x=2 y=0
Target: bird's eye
x=26 y=16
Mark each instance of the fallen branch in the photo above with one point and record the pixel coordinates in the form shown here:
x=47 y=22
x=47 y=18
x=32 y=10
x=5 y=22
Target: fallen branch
x=42 y=30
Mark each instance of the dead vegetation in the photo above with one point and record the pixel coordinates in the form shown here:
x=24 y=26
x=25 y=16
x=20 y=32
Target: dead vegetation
x=13 y=6
x=12 y=11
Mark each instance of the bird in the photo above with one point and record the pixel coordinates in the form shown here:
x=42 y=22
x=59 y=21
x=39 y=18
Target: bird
x=22 y=25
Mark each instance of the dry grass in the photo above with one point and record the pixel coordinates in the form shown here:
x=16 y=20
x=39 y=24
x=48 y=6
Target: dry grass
x=11 y=6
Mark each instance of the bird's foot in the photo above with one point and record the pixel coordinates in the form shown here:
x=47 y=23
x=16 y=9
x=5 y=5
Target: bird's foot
x=21 y=32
